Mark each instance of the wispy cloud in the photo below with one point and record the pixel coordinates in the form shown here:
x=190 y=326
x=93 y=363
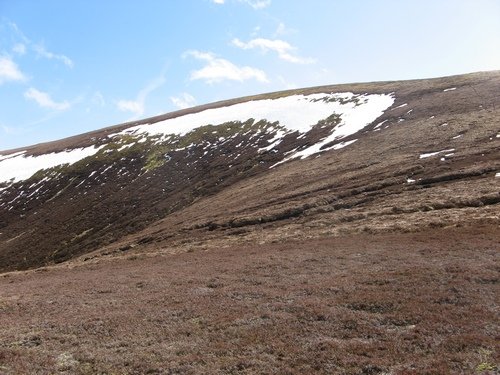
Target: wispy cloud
x=42 y=52
x=18 y=32
x=282 y=48
x=218 y=70
x=137 y=106
x=133 y=106
x=283 y=29
x=183 y=101
x=19 y=49
x=44 y=100
x=257 y=4
x=98 y=99
x=9 y=71
x=24 y=44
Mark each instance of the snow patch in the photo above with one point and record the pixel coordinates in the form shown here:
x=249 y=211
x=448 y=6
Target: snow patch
x=430 y=154
x=400 y=106
x=124 y=147
x=353 y=119
x=22 y=167
x=273 y=142
x=3 y=157
x=377 y=127
x=294 y=113
x=450 y=89
x=340 y=145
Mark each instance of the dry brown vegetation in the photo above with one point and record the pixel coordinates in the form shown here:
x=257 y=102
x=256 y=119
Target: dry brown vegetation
x=414 y=303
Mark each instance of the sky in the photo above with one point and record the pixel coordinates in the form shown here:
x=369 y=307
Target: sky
x=68 y=67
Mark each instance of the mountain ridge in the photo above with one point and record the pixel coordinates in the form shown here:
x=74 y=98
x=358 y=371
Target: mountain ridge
x=357 y=86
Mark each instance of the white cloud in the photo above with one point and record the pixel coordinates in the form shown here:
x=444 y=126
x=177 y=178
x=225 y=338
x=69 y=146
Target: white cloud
x=133 y=106
x=137 y=106
x=9 y=71
x=44 y=100
x=257 y=4
x=282 y=48
x=218 y=70
x=19 y=48
x=183 y=101
x=41 y=51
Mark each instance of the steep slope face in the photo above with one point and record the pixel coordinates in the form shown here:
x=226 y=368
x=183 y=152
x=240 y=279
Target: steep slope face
x=301 y=163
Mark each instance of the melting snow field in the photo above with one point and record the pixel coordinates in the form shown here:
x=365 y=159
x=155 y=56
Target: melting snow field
x=17 y=167
x=295 y=113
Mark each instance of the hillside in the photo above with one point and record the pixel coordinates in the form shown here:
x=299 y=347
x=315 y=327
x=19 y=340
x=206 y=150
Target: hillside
x=337 y=229
x=353 y=157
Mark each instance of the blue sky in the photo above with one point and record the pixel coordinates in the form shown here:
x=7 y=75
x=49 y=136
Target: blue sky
x=67 y=67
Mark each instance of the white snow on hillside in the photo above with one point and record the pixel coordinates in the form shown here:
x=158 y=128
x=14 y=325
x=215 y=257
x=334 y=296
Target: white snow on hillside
x=430 y=154
x=295 y=113
x=354 y=119
x=3 y=157
x=17 y=167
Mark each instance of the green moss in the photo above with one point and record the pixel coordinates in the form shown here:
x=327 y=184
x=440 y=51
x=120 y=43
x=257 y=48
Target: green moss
x=155 y=160
x=486 y=362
